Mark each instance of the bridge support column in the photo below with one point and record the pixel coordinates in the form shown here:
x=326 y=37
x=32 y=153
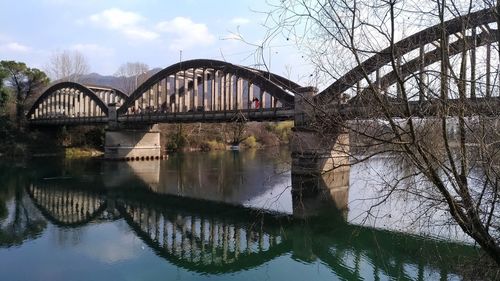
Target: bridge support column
x=320 y=159
x=112 y=116
x=132 y=144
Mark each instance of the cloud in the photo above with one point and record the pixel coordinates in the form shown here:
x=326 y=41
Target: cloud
x=240 y=21
x=14 y=47
x=186 y=33
x=122 y=248
x=116 y=18
x=183 y=33
x=127 y=23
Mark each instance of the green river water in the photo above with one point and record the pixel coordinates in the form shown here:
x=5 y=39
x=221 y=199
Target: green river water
x=204 y=216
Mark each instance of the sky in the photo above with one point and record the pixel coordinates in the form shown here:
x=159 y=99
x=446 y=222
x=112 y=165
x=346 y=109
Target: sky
x=112 y=32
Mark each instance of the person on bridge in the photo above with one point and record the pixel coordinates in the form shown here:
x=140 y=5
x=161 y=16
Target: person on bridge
x=256 y=103
x=163 y=107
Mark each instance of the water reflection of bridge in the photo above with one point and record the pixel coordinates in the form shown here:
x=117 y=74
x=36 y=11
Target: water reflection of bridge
x=212 y=238
x=213 y=244
x=67 y=207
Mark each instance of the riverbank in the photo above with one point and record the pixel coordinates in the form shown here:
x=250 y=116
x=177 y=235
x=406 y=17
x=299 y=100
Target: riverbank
x=207 y=137
x=24 y=142
x=88 y=141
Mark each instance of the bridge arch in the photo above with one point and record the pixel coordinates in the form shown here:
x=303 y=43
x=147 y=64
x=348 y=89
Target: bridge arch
x=203 y=243
x=416 y=52
x=66 y=207
x=109 y=95
x=68 y=100
x=209 y=85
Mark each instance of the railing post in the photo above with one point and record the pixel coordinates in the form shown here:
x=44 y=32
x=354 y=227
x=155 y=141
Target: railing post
x=112 y=115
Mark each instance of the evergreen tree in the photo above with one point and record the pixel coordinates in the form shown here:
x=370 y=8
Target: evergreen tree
x=22 y=82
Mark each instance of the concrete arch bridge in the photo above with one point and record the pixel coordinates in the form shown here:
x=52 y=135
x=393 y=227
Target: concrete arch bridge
x=215 y=91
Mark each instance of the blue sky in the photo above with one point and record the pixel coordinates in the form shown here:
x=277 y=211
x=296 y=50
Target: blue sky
x=112 y=32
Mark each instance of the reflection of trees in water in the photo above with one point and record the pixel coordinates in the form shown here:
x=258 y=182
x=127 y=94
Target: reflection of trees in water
x=19 y=219
x=447 y=171
x=220 y=173
x=393 y=194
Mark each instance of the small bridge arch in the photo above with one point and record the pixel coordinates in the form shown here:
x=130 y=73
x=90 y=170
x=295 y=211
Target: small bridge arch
x=67 y=207
x=109 y=95
x=67 y=99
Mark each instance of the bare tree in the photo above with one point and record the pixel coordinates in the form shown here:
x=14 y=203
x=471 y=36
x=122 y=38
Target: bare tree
x=425 y=99
x=67 y=66
x=131 y=75
x=236 y=131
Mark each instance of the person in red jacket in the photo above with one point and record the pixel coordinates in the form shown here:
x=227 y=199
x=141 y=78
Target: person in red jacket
x=256 y=103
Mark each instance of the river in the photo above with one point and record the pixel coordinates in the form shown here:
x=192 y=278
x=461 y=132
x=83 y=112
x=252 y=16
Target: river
x=215 y=216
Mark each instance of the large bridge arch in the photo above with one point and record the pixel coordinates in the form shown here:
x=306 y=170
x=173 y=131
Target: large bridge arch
x=416 y=52
x=208 y=243
x=68 y=100
x=209 y=85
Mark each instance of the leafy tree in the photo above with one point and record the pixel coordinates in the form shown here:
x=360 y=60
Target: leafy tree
x=23 y=82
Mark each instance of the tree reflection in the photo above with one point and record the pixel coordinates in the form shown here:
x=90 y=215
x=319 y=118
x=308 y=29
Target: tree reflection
x=19 y=220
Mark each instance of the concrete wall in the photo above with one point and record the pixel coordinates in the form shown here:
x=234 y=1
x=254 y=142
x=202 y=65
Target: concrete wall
x=132 y=144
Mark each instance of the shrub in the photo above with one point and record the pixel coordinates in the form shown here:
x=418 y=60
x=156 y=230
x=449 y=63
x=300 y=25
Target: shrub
x=215 y=145
x=251 y=142
x=282 y=130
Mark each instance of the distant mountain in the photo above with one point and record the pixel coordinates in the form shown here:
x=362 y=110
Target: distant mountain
x=119 y=83
x=101 y=80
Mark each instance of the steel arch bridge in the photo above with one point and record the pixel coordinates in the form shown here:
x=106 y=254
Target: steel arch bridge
x=215 y=91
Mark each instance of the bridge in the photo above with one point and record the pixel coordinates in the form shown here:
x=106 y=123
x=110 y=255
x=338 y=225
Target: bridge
x=216 y=91
x=190 y=91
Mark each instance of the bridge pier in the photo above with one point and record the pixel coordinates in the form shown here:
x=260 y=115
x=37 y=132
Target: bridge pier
x=320 y=160
x=132 y=144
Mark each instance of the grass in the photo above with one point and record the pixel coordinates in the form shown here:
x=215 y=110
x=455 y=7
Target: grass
x=77 y=152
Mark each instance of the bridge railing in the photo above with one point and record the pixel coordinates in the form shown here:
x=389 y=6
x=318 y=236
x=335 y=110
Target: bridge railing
x=69 y=121
x=268 y=114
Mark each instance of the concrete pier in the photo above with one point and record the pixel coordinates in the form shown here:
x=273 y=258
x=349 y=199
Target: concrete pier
x=133 y=144
x=320 y=160
x=316 y=148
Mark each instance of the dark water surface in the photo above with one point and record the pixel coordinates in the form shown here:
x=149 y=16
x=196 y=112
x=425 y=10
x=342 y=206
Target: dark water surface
x=199 y=216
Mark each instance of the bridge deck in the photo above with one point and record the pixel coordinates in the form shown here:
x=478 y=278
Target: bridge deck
x=258 y=115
